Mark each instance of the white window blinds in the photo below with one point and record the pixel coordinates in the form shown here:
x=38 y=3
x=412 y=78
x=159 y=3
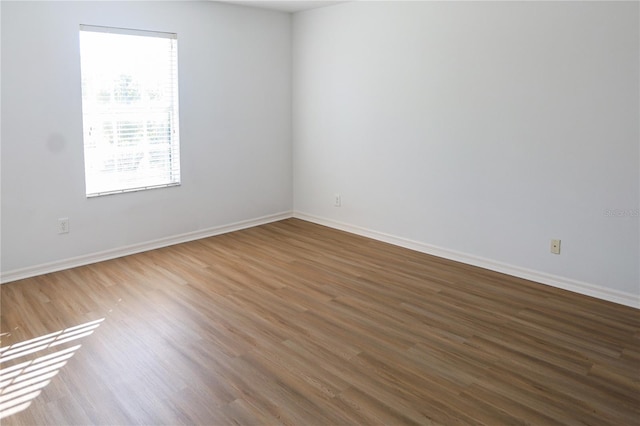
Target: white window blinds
x=129 y=109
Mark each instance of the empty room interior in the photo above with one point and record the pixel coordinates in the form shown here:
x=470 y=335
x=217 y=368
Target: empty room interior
x=320 y=212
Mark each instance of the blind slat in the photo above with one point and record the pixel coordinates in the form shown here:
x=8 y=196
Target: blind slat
x=127 y=31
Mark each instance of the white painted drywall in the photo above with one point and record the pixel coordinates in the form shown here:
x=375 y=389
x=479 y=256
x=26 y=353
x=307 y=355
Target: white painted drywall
x=235 y=118
x=483 y=128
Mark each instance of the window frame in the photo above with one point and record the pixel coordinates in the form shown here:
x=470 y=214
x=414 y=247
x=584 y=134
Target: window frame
x=120 y=180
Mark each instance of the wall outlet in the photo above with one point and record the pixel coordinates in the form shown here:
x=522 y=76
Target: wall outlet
x=337 y=200
x=555 y=246
x=63 y=225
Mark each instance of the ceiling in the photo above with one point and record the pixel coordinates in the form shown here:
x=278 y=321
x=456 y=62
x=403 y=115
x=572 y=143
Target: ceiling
x=290 y=6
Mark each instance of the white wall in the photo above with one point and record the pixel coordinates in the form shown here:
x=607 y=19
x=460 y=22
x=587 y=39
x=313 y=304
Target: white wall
x=235 y=117
x=478 y=131
x=474 y=130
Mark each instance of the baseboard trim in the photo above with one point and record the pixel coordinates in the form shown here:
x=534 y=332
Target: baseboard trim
x=623 y=298
x=74 y=262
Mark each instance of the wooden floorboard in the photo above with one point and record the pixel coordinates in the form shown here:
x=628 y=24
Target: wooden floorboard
x=298 y=324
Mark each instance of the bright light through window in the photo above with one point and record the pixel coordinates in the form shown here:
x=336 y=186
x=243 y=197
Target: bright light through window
x=129 y=109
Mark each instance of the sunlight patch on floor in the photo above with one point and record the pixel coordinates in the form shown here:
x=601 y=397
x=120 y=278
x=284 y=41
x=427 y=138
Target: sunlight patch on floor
x=22 y=383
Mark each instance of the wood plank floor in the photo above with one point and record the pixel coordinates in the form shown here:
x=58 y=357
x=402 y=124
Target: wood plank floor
x=294 y=323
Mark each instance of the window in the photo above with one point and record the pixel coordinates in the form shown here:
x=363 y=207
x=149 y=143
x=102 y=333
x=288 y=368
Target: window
x=129 y=109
